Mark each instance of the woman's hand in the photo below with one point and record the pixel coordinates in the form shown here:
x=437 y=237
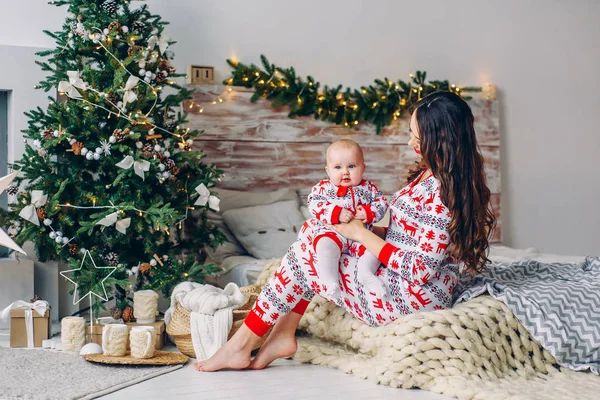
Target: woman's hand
x=353 y=230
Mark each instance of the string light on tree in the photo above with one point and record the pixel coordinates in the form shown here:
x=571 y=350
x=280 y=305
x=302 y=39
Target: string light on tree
x=112 y=158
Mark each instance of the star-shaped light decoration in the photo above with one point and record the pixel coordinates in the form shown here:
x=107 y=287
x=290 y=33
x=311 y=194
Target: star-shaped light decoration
x=5 y=240
x=90 y=292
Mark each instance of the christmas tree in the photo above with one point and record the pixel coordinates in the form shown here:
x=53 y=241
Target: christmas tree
x=109 y=168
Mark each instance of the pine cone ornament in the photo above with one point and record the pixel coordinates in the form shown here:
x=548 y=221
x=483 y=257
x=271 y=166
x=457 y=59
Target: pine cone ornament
x=76 y=147
x=145 y=268
x=114 y=26
x=147 y=150
x=169 y=164
x=112 y=258
x=165 y=65
x=121 y=134
x=111 y=98
x=35 y=298
x=138 y=26
x=161 y=76
x=73 y=249
x=110 y=7
x=116 y=312
x=134 y=49
x=12 y=190
x=127 y=314
x=48 y=134
x=171 y=126
x=41 y=213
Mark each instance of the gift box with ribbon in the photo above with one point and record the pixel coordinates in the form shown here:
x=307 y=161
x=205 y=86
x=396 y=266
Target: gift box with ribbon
x=29 y=323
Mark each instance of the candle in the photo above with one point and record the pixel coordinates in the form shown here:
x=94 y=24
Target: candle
x=145 y=306
x=72 y=333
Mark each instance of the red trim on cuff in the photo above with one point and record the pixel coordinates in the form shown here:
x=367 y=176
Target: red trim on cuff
x=329 y=235
x=370 y=213
x=335 y=215
x=256 y=324
x=386 y=252
x=300 y=308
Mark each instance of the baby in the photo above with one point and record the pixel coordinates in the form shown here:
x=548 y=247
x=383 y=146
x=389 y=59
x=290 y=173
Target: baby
x=344 y=196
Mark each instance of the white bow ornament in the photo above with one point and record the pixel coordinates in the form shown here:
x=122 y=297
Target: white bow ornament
x=163 y=42
x=74 y=83
x=121 y=224
x=38 y=199
x=206 y=197
x=139 y=167
x=130 y=96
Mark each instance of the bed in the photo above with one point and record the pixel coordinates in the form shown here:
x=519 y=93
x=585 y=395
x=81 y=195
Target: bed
x=260 y=150
x=481 y=348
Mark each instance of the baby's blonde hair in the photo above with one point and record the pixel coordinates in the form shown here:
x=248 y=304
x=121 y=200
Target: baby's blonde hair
x=345 y=144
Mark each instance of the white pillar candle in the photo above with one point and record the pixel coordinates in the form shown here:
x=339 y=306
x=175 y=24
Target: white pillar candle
x=145 y=306
x=72 y=333
x=488 y=91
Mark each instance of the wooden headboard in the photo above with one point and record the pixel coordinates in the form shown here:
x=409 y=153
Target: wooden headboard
x=260 y=148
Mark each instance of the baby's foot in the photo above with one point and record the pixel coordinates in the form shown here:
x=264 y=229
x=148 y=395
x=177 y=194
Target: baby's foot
x=373 y=285
x=331 y=290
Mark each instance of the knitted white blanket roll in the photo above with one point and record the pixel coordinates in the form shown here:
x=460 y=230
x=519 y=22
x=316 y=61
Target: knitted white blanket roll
x=210 y=310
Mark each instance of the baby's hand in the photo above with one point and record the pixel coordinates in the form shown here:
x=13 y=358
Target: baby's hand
x=346 y=216
x=361 y=214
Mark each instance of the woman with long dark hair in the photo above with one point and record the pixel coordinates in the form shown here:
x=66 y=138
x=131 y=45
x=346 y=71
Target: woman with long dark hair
x=441 y=221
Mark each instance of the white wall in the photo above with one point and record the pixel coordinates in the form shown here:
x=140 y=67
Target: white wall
x=542 y=54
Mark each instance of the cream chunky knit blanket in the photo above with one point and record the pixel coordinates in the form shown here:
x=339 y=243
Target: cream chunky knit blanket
x=476 y=350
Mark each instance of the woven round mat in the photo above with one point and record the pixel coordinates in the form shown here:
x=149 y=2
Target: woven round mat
x=160 y=358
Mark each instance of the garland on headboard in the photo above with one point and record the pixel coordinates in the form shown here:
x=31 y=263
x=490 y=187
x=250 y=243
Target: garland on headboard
x=380 y=103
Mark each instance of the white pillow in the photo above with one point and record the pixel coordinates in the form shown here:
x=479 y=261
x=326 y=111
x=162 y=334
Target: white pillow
x=306 y=212
x=266 y=231
x=234 y=199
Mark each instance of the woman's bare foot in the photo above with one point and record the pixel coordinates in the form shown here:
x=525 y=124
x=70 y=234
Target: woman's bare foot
x=276 y=346
x=281 y=342
x=235 y=354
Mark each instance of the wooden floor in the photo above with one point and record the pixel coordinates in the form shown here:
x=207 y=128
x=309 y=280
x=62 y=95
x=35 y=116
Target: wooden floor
x=285 y=379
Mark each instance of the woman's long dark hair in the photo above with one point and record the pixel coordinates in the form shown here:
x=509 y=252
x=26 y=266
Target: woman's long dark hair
x=449 y=148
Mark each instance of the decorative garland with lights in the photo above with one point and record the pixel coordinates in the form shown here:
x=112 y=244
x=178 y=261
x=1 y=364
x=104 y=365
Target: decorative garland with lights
x=380 y=103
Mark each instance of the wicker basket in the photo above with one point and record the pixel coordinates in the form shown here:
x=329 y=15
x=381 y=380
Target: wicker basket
x=179 y=325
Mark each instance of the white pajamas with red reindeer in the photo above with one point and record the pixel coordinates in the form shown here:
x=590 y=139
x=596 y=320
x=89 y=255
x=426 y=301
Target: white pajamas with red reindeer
x=415 y=266
x=326 y=201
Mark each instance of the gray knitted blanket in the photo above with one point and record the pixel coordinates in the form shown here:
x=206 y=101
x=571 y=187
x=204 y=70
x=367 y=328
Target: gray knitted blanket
x=559 y=304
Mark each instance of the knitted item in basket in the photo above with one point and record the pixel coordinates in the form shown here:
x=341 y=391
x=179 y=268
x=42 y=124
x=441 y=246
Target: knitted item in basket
x=179 y=325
